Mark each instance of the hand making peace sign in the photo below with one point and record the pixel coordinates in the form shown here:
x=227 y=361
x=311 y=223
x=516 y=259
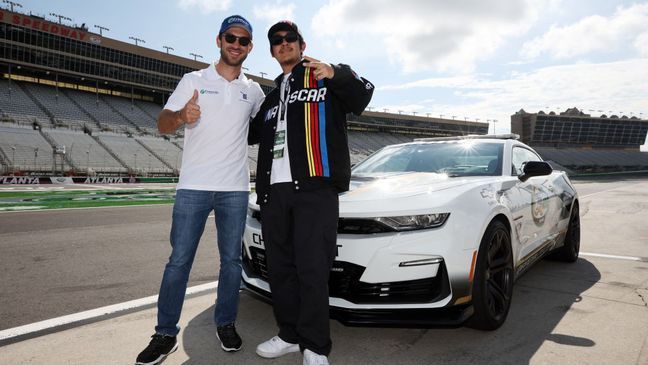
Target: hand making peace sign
x=321 y=69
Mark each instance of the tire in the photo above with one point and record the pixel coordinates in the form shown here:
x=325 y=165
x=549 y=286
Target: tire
x=571 y=246
x=493 y=281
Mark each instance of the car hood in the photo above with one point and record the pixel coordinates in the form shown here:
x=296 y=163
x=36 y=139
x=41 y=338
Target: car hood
x=410 y=191
x=402 y=185
x=390 y=194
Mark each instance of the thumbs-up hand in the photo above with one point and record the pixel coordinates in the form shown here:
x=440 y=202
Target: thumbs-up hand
x=191 y=111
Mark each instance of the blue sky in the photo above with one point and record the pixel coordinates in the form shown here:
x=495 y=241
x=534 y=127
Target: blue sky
x=470 y=59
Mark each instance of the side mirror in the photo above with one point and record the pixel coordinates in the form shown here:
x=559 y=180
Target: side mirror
x=535 y=168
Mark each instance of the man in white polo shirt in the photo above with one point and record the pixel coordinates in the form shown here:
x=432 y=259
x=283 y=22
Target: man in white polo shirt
x=215 y=106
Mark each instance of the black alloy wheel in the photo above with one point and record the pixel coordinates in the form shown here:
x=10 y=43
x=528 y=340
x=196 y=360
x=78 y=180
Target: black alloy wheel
x=493 y=281
x=570 y=249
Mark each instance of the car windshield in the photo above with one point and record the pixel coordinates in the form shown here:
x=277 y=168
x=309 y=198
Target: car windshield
x=460 y=158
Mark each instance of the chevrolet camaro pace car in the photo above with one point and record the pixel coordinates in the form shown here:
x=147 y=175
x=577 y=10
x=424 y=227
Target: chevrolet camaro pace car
x=435 y=232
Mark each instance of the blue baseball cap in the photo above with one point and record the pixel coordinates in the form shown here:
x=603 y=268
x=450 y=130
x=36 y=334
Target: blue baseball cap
x=235 y=21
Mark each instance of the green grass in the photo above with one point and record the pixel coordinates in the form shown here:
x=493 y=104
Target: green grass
x=87 y=204
x=84 y=198
x=29 y=194
x=40 y=200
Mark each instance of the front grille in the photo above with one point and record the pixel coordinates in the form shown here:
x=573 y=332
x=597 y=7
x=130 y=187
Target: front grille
x=344 y=282
x=256 y=263
x=350 y=225
x=361 y=226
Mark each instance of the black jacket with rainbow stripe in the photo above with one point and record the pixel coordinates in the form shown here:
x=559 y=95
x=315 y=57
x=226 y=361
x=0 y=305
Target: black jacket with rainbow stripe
x=316 y=126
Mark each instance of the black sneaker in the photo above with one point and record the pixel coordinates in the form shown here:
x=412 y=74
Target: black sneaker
x=230 y=340
x=159 y=347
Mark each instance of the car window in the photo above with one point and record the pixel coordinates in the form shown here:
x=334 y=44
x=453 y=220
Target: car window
x=519 y=156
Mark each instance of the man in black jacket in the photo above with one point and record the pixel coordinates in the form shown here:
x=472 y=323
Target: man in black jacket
x=303 y=164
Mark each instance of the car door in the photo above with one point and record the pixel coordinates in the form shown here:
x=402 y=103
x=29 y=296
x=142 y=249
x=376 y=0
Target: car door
x=534 y=217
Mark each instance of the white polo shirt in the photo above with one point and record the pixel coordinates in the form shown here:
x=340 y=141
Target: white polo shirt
x=215 y=147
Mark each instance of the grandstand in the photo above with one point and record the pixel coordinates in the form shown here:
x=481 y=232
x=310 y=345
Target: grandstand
x=78 y=103
x=583 y=143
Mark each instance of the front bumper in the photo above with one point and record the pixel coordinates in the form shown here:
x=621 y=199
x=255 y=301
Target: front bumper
x=388 y=304
x=345 y=283
x=411 y=279
x=451 y=317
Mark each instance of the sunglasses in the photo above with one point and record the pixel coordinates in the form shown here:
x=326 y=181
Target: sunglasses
x=243 y=41
x=290 y=37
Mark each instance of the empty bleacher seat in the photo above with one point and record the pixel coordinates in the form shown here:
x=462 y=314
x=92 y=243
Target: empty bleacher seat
x=132 y=153
x=84 y=151
x=14 y=102
x=25 y=148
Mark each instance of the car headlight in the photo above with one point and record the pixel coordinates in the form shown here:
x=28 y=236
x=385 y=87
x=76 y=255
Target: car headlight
x=412 y=222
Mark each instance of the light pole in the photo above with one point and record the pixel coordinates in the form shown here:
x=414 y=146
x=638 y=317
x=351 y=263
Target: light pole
x=60 y=17
x=168 y=48
x=196 y=56
x=13 y=158
x=12 y=4
x=137 y=40
x=101 y=29
x=494 y=126
x=263 y=74
x=178 y=160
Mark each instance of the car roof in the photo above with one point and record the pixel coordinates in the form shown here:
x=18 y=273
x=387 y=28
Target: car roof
x=508 y=136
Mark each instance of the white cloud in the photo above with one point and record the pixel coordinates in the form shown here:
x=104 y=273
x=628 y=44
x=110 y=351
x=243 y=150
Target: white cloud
x=615 y=86
x=641 y=44
x=594 y=34
x=273 y=12
x=429 y=34
x=206 y=6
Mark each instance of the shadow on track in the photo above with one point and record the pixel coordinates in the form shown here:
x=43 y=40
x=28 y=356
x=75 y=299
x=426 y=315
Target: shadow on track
x=541 y=299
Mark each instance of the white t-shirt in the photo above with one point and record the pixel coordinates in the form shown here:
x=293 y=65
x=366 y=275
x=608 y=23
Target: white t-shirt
x=215 y=147
x=281 y=159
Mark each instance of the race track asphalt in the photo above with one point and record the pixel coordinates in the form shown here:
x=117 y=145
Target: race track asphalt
x=54 y=263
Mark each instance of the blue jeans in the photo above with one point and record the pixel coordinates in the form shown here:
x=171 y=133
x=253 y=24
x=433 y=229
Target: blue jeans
x=190 y=212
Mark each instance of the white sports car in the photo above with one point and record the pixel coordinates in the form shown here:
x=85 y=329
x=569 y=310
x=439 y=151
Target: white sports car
x=434 y=232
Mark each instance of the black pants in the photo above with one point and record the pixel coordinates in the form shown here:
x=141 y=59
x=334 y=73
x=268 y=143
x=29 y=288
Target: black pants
x=299 y=232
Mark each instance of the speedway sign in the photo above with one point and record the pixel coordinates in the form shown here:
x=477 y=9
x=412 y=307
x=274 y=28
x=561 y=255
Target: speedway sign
x=45 y=26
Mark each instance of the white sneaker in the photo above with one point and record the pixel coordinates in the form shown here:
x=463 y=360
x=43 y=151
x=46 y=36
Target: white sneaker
x=276 y=347
x=311 y=358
